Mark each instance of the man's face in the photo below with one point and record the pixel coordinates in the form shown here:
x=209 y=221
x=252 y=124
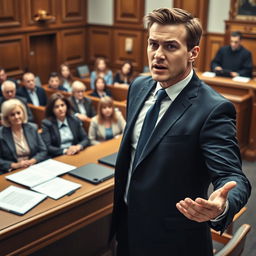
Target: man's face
x=168 y=55
x=3 y=76
x=9 y=91
x=29 y=81
x=235 y=42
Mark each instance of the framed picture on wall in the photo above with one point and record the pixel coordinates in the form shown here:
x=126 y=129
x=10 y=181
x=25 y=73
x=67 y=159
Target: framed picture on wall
x=243 y=10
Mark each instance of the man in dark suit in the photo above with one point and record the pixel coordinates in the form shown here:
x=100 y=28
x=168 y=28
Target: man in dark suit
x=161 y=206
x=82 y=106
x=8 y=89
x=34 y=94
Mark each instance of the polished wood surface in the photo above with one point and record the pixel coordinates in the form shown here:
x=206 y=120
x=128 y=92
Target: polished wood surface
x=52 y=220
x=243 y=95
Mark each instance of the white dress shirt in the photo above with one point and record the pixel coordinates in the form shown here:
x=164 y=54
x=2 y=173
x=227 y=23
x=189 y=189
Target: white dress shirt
x=33 y=96
x=172 y=92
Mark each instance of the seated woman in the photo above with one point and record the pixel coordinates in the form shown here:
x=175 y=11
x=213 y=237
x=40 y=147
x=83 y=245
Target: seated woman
x=101 y=70
x=54 y=82
x=20 y=143
x=101 y=89
x=62 y=132
x=124 y=77
x=107 y=124
x=66 y=77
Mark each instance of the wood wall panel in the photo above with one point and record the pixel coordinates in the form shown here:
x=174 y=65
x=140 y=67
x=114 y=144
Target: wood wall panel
x=73 y=10
x=213 y=43
x=10 y=15
x=100 y=43
x=123 y=40
x=73 y=46
x=12 y=54
x=131 y=12
x=33 y=6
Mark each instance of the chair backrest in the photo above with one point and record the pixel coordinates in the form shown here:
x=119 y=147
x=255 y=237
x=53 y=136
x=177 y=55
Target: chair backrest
x=38 y=113
x=83 y=71
x=234 y=245
x=118 y=93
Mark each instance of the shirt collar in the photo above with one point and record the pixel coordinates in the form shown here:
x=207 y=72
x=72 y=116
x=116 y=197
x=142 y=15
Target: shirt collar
x=60 y=123
x=174 y=90
x=30 y=91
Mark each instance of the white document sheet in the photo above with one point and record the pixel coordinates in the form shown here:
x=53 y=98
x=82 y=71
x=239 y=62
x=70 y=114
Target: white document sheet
x=19 y=200
x=241 y=79
x=57 y=188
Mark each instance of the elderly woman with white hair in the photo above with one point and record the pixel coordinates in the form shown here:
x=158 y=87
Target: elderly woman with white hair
x=20 y=143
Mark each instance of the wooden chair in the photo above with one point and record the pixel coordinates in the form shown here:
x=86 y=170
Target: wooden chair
x=233 y=245
x=118 y=93
x=38 y=113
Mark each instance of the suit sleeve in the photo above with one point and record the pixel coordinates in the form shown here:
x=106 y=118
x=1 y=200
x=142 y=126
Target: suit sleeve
x=217 y=61
x=247 y=66
x=5 y=164
x=41 y=154
x=93 y=132
x=222 y=158
x=47 y=138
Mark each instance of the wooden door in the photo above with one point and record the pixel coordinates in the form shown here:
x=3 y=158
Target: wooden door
x=42 y=60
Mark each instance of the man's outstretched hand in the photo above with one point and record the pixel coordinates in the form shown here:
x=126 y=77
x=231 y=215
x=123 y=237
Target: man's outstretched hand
x=201 y=210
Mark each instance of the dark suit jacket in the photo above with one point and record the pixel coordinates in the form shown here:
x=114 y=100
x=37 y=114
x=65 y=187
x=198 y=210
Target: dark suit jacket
x=95 y=93
x=87 y=105
x=24 y=101
x=7 y=147
x=193 y=145
x=51 y=135
x=39 y=91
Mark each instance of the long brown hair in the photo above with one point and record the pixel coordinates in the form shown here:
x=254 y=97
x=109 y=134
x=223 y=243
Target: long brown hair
x=97 y=61
x=106 y=102
x=70 y=78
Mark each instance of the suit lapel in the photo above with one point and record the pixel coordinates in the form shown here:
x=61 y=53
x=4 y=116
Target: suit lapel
x=7 y=135
x=176 y=110
x=138 y=103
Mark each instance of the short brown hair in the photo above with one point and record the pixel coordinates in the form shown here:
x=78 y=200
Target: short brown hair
x=49 y=114
x=175 y=16
x=106 y=102
x=8 y=106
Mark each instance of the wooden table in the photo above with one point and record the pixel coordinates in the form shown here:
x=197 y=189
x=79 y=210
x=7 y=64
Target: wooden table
x=243 y=95
x=73 y=225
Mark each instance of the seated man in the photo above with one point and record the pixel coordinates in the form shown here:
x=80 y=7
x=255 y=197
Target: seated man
x=82 y=106
x=34 y=94
x=54 y=82
x=233 y=57
x=3 y=77
x=8 y=89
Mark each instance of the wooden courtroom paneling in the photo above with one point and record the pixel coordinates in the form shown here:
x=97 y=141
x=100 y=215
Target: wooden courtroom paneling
x=73 y=10
x=73 y=46
x=12 y=54
x=213 y=43
x=10 y=13
x=130 y=11
x=42 y=55
x=128 y=45
x=33 y=6
x=100 y=43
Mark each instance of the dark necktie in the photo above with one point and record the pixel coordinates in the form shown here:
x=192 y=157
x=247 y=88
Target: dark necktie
x=149 y=124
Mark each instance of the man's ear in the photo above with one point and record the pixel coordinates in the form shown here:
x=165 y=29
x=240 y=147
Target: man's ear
x=193 y=53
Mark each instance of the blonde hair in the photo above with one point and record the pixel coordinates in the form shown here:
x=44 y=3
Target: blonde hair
x=8 y=106
x=106 y=102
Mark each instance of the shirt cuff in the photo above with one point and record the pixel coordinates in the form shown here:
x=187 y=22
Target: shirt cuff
x=220 y=217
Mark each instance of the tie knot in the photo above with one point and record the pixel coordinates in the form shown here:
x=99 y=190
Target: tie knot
x=161 y=94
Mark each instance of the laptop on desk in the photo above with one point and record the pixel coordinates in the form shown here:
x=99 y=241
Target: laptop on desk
x=223 y=72
x=93 y=173
x=109 y=160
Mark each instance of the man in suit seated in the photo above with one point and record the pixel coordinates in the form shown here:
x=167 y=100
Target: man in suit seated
x=234 y=58
x=82 y=106
x=4 y=77
x=54 y=82
x=34 y=94
x=8 y=89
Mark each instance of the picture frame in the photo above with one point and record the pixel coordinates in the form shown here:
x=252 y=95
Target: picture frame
x=243 y=10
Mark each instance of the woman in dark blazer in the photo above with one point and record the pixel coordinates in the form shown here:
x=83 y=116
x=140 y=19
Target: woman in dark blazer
x=100 y=88
x=20 y=143
x=62 y=132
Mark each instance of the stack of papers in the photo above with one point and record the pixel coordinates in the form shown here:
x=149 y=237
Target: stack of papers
x=19 y=200
x=241 y=79
x=43 y=178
